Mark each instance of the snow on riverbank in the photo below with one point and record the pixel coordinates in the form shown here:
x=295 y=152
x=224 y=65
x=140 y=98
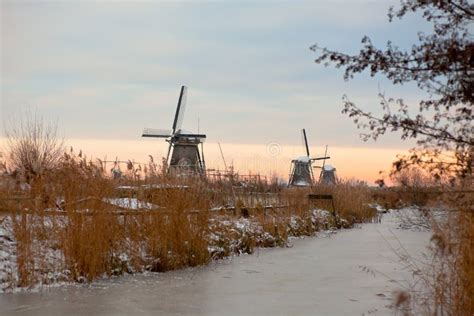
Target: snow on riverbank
x=317 y=276
x=49 y=268
x=227 y=236
x=8 y=262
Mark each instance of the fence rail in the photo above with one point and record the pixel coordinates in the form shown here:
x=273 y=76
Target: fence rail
x=157 y=212
x=90 y=206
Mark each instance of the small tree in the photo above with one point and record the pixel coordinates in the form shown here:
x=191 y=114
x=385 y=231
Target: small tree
x=441 y=64
x=33 y=147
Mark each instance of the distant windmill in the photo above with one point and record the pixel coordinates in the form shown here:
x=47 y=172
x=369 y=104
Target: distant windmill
x=328 y=172
x=301 y=171
x=186 y=148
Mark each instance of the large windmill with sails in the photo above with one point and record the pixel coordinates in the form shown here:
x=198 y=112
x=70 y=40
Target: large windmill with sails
x=185 y=148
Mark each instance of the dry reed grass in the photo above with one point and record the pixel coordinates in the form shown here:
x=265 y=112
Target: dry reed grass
x=445 y=284
x=67 y=229
x=352 y=200
x=64 y=230
x=64 y=211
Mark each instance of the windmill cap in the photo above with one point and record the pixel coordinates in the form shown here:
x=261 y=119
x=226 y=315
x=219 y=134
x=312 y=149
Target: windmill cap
x=183 y=131
x=328 y=168
x=303 y=159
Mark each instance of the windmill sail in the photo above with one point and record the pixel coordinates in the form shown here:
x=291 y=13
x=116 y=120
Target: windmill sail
x=306 y=142
x=179 y=115
x=325 y=154
x=154 y=132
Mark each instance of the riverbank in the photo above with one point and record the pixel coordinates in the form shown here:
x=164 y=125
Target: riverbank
x=352 y=272
x=225 y=236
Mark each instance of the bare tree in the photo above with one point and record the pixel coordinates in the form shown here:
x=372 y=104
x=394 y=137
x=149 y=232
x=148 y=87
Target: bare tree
x=441 y=64
x=33 y=146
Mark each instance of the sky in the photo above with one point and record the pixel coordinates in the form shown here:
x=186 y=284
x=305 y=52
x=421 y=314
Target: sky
x=104 y=70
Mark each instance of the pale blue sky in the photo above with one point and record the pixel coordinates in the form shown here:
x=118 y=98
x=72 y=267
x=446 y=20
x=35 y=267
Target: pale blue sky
x=108 y=69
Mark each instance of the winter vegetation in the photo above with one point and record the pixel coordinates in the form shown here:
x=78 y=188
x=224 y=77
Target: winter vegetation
x=66 y=219
x=437 y=174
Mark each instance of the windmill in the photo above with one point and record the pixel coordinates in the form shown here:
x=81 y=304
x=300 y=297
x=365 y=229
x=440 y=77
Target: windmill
x=328 y=172
x=186 y=148
x=301 y=174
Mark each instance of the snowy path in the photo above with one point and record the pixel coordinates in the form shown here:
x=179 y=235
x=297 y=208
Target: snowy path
x=317 y=276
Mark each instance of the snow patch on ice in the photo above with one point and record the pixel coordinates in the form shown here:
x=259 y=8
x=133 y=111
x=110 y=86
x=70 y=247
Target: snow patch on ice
x=415 y=218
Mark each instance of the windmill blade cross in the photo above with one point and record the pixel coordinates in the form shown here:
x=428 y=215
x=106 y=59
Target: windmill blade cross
x=178 y=117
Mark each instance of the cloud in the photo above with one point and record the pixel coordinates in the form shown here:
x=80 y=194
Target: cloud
x=117 y=68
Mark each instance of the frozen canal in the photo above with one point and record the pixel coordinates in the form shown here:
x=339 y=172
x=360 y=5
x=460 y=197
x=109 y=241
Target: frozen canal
x=317 y=276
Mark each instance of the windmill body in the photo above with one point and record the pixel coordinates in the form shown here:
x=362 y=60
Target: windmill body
x=301 y=174
x=328 y=175
x=328 y=172
x=186 y=158
x=185 y=148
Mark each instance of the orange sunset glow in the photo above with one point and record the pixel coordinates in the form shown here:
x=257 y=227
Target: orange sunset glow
x=265 y=159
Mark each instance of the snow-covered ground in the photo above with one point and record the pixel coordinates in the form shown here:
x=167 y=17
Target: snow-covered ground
x=49 y=269
x=353 y=272
x=228 y=235
x=130 y=204
x=8 y=271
